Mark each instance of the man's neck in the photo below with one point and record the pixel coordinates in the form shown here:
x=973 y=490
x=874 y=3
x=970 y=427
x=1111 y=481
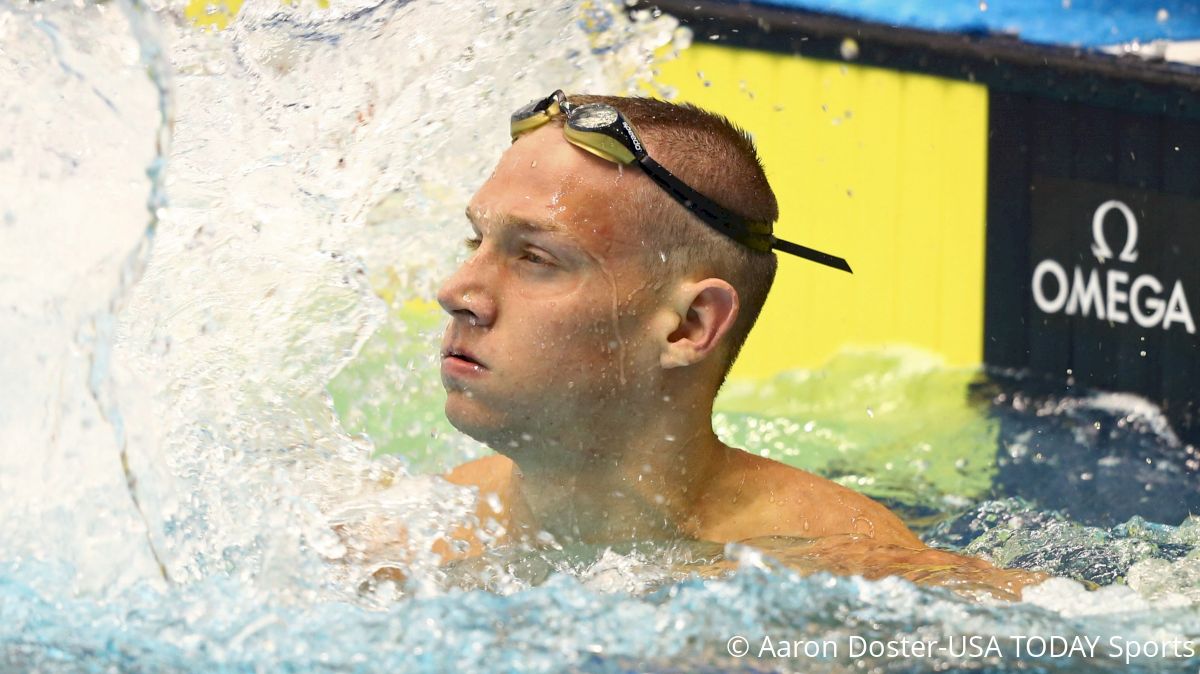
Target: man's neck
x=641 y=484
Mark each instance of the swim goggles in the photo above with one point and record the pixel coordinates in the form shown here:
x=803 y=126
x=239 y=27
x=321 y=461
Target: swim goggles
x=602 y=130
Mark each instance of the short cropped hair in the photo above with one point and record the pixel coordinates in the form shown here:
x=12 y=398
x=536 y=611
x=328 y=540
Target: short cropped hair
x=718 y=159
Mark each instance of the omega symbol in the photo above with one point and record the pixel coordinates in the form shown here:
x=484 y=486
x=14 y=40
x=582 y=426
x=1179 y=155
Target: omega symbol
x=1110 y=294
x=1100 y=247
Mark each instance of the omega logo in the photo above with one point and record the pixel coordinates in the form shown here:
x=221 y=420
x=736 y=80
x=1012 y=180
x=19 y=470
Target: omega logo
x=1114 y=299
x=1100 y=248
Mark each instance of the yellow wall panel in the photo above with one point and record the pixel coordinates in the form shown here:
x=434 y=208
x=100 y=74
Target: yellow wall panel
x=886 y=169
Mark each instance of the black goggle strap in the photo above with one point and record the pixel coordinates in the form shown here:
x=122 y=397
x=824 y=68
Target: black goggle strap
x=753 y=235
x=756 y=236
x=811 y=254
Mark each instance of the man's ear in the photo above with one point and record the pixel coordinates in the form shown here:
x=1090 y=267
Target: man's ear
x=705 y=311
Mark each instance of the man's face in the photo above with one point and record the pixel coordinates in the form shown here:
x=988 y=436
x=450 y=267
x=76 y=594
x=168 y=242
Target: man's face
x=549 y=314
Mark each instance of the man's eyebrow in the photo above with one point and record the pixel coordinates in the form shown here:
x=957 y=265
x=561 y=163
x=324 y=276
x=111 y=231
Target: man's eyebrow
x=504 y=219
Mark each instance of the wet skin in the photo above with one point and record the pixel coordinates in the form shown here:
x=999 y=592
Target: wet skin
x=593 y=379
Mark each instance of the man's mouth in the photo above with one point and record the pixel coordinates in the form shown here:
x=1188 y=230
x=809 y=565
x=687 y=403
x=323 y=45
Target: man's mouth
x=462 y=355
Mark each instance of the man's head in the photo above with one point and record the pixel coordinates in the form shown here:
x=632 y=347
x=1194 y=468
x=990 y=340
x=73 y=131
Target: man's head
x=592 y=290
x=718 y=159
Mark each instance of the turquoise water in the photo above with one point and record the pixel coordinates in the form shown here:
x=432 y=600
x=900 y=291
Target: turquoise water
x=592 y=610
x=235 y=357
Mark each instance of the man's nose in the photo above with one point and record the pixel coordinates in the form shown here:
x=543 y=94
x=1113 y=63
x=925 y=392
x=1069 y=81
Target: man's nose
x=468 y=294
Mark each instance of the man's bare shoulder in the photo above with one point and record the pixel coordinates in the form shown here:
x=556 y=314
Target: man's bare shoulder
x=490 y=474
x=755 y=496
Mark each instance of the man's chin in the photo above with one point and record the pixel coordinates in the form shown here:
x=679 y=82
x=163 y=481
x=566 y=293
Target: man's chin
x=489 y=426
x=471 y=418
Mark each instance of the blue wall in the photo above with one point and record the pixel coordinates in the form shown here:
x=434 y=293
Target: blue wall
x=1086 y=23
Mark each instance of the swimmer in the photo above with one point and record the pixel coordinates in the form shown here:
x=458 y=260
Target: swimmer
x=621 y=252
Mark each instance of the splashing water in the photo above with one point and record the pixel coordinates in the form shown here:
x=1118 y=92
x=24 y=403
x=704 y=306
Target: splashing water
x=217 y=246
x=84 y=131
x=181 y=385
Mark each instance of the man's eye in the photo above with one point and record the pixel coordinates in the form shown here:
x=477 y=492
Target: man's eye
x=473 y=242
x=534 y=258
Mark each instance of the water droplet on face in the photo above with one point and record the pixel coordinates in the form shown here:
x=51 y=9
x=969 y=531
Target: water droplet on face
x=533 y=164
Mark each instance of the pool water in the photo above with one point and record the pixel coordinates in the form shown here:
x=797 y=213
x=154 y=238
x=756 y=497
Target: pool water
x=235 y=357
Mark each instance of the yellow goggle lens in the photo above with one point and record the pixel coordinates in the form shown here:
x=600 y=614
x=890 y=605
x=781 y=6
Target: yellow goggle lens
x=600 y=145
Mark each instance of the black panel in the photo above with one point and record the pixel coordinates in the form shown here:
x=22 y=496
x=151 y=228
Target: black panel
x=1052 y=146
x=1041 y=200
x=1094 y=140
x=1181 y=357
x=1007 y=265
x=1139 y=164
